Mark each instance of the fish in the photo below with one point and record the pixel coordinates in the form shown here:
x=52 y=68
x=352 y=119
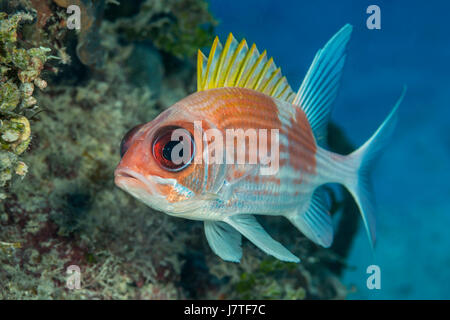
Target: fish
x=184 y=163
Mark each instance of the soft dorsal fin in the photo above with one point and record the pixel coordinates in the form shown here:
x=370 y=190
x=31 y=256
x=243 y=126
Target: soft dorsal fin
x=319 y=88
x=235 y=65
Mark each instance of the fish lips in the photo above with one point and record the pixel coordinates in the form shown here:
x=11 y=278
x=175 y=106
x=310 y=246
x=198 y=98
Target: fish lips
x=137 y=185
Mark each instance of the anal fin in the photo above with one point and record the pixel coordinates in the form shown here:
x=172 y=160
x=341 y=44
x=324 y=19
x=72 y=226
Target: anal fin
x=315 y=223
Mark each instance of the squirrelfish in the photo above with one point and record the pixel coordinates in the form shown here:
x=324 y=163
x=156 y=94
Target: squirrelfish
x=185 y=164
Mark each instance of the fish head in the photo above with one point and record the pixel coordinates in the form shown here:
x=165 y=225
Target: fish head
x=162 y=162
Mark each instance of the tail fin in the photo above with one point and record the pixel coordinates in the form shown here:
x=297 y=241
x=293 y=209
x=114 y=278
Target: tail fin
x=360 y=162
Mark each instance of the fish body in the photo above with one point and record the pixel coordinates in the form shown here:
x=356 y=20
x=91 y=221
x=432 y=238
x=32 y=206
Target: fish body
x=250 y=146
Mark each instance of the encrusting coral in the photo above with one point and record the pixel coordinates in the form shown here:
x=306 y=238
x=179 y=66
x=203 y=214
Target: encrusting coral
x=20 y=73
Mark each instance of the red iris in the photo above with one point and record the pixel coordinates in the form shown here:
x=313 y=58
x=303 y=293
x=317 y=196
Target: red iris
x=173 y=148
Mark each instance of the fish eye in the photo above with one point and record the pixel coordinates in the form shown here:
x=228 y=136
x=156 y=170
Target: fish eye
x=127 y=139
x=173 y=148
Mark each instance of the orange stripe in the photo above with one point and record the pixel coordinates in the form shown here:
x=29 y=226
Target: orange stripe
x=263 y=179
x=241 y=108
x=302 y=146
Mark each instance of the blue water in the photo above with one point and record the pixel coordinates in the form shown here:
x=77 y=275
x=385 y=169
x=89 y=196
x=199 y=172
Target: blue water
x=412 y=179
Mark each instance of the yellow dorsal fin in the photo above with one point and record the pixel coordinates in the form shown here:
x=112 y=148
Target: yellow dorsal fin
x=235 y=65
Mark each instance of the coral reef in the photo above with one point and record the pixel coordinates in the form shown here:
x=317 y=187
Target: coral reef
x=89 y=49
x=20 y=69
x=67 y=211
x=259 y=276
x=86 y=221
x=176 y=27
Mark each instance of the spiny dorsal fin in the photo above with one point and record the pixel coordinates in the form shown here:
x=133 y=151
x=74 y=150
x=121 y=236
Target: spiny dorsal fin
x=235 y=65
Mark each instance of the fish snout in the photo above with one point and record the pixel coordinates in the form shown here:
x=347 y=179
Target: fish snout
x=135 y=183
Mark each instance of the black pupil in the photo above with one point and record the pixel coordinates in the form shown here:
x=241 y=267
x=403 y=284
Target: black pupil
x=167 y=151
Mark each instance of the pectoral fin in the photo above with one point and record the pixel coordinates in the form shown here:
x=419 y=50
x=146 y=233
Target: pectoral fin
x=249 y=227
x=224 y=240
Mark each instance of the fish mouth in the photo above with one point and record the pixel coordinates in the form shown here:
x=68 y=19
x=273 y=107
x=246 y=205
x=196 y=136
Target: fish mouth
x=135 y=183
